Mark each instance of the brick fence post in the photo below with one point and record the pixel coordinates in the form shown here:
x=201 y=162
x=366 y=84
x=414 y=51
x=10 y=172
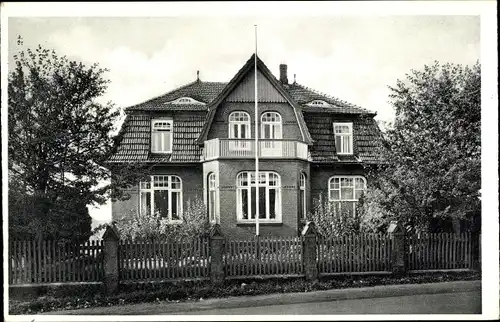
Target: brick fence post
x=216 y=255
x=309 y=251
x=111 y=239
x=398 y=251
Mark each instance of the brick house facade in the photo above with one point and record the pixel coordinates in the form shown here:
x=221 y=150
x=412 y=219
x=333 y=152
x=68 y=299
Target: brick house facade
x=200 y=139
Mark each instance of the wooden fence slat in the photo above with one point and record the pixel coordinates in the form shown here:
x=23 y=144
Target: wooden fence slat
x=29 y=262
x=13 y=261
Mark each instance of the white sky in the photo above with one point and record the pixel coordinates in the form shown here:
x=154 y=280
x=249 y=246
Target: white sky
x=354 y=58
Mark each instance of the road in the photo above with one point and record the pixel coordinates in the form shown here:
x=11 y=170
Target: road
x=447 y=303
x=456 y=297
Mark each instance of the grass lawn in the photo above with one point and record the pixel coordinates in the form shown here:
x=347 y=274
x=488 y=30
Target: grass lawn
x=80 y=297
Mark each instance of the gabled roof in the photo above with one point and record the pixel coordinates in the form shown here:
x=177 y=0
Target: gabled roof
x=249 y=66
x=192 y=121
x=204 y=92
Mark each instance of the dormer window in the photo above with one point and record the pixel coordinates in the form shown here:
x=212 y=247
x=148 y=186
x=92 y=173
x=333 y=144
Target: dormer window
x=343 y=138
x=161 y=136
x=319 y=103
x=185 y=100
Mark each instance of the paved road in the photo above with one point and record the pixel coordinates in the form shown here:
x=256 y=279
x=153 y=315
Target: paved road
x=448 y=298
x=447 y=303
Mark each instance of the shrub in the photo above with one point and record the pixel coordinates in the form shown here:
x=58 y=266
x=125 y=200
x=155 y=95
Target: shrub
x=332 y=220
x=137 y=226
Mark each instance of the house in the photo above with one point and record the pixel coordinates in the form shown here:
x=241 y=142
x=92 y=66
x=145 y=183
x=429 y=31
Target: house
x=201 y=139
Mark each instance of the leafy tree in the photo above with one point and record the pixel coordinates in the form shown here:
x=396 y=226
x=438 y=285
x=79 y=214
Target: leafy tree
x=432 y=171
x=59 y=141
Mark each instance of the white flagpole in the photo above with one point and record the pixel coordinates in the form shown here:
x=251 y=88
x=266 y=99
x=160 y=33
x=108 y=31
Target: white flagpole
x=256 y=145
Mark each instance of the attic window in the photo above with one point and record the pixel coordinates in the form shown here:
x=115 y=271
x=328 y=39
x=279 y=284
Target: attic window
x=185 y=100
x=318 y=103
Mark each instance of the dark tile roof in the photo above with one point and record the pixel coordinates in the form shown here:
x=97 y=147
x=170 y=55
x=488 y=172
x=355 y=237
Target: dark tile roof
x=201 y=91
x=303 y=95
x=206 y=92
x=367 y=139
x=134 y=141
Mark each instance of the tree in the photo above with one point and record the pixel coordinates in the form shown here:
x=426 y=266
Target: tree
x=59 y=140
x=432 y=171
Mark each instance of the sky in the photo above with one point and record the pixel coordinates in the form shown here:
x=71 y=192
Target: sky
x=354 y=58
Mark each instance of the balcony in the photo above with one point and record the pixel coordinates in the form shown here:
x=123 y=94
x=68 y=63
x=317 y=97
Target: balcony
x=245 y=148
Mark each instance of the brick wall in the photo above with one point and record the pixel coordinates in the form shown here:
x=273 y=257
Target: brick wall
x=320 y=174
x=192 y=188
x=289 y=172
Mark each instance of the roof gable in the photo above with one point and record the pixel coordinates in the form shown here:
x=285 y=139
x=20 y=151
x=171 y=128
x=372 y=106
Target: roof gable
x=245 y=90
x=246 y=69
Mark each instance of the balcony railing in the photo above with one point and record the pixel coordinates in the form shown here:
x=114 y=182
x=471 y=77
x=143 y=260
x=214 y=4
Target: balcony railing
x=245 y=148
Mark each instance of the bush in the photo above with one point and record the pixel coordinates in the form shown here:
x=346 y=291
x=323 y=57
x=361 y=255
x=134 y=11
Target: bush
x=137 y=226
x=332 y=219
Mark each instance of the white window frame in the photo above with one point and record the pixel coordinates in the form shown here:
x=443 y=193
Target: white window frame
x=318 y=103
x=212 y=205
x=149 y=186
x=264 y=182
x=303 y=189
x=340 y=150
x=159 y=126
x=274 y=122
x=337 y=180
x=234 y=119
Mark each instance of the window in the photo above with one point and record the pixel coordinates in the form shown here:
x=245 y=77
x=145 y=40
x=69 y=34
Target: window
x=343 y=137
x=318 y=103
x=162 y=195
x=185 y=100
x=271 y=125
x=161 y=136
x=269 y=196
x=239 y=128
x=302 y=196
x=212 y=197
x=345 y=191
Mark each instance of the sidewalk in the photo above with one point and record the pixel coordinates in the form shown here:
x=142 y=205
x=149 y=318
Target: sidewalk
x=278 y=299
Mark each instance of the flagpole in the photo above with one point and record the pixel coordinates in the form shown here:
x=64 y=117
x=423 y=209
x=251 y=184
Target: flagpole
x=256 y=144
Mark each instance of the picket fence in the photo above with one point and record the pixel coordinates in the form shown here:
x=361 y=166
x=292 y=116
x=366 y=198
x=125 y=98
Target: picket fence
x=153 y=260
x=439 y=251
x=262 y=256
x=355 y=253
x=52 y=261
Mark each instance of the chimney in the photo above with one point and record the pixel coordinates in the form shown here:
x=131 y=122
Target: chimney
x=283 y=74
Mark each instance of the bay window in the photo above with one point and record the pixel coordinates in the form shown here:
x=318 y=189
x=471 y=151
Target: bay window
x=162 y=195
x=269 y=196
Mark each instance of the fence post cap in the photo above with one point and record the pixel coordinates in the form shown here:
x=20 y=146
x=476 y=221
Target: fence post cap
x=395 y=227
x=309 y=229
x=216 y=231
x=111 y=233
